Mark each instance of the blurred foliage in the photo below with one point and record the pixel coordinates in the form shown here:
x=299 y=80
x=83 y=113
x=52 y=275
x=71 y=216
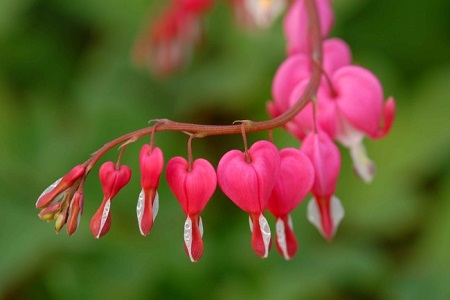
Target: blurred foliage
x=67 y=86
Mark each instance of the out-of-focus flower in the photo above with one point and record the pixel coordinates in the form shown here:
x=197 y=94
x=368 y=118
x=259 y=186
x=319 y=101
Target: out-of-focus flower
x=296 y=26
x=257 y=13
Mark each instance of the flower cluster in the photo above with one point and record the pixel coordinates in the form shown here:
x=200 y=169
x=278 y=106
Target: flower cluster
x=343 y=104
x=348 y=106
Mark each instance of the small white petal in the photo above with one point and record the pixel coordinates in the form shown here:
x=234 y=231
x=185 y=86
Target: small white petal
x=250 y=223
x=200 y=226
x=281 y=238
x=363 y=166
x=188 y=236
x=337 y=212
x=104 y=216
x=265 y=231
x=264 y=12
x=140 y=210
x=155 y=207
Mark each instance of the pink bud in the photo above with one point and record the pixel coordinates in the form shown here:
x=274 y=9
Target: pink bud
x=193 y=6
x=75 y=211
x=249 y=184
x=326 y=160
x=55 y=191
x=193 y=188
x=112 y=181
x=293 y=184
x=296 y=25
x=151 y=163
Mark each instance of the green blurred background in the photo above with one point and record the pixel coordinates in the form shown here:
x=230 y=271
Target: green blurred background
x=67 y=86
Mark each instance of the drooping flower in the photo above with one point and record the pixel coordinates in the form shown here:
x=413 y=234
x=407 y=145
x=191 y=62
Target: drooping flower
x=325 y=210
x=193 y=187
x=348 y=112
x=296 y=27
x=248 y=179
x=151 y=161
x=113 y=178
x=293 y=184
x=169 y=42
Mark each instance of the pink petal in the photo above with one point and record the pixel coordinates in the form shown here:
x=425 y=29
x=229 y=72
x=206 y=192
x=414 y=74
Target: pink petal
x=151 y=161
x=326 y=111
x=293 y=70
x=326 y=160
x=249 y=185
x=388 y=118
x=193 y=188
x=293 y=184
x=296 y=25
x=147 y=209
x=336 y=54
x=75 y=211
x=359 y=98
x=112 y=179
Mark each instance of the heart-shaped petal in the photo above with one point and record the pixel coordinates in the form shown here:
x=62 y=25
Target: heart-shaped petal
x=293 y=184
x=192 y=188
x=113 y=179
x=249 y=184
x=359 y=97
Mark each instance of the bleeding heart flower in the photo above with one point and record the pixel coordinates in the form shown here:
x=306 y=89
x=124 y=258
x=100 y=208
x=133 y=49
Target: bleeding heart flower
x=193 y=187
x=113 y=179
x=296 y=25
x=151 y=162
x=293 y=184
x=325 y=211
x=248 y=180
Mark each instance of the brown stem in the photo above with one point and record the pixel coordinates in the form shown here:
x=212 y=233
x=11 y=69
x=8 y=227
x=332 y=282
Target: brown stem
x=199 y=131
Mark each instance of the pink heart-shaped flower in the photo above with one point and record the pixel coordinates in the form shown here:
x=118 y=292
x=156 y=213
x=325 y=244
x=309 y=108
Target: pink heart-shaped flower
x=249 y=184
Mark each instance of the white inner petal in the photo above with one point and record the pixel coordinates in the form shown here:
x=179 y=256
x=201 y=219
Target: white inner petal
x=265 y=231
x=363 y=166
x=200 y=226
x=337 y=212
x=188 y=236
x=155 y=207
x=314 y=215
x=104 y=216
x=250 y=223
x=140 y=209
x=281 y=238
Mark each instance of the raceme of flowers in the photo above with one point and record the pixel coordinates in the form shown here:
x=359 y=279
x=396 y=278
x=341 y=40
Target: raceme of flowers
x=348 y=106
